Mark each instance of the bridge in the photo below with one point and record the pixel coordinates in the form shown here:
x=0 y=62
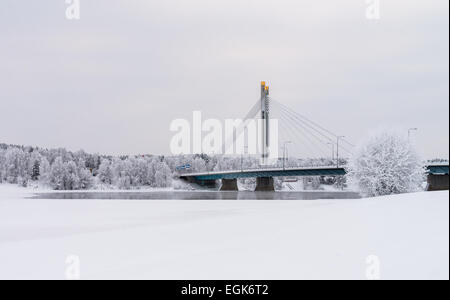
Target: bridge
x=264 y=177
x=296 y=130
x=438 y=176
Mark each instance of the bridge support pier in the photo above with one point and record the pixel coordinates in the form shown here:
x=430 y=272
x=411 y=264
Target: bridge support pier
x=207 y=183
x=438 y=182
x=229 y=185
x=265 y=184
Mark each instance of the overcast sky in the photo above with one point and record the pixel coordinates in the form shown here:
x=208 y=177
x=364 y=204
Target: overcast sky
x=113 y=81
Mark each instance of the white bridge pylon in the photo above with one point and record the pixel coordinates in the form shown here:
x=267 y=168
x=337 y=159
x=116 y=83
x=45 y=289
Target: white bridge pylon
x=258 y=133
x=278 y=124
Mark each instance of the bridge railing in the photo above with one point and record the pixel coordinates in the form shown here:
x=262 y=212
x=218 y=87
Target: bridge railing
x=259 y=169
x=262 y=169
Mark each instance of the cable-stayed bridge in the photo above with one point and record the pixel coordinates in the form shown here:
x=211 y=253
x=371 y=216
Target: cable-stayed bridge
x=305 y=138
x=296 y=136
x=264 y=176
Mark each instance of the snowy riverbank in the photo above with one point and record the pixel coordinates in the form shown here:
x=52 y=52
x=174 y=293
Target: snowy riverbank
x=225 y=239
x=13 y=190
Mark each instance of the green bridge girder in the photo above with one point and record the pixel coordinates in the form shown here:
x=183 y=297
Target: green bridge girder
x=267 y=173
x=438 y=169
x=326 y=171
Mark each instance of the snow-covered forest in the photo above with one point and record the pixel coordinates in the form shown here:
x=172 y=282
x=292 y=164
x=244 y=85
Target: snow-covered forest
x=60 y=169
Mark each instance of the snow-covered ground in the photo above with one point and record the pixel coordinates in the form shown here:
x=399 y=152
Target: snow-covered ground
x=408 y=235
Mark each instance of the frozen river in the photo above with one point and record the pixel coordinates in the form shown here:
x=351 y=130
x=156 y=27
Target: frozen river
x=259 y=240
x=199 y=195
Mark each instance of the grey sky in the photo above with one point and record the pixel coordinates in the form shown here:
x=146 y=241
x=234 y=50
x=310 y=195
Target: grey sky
x=113 y=81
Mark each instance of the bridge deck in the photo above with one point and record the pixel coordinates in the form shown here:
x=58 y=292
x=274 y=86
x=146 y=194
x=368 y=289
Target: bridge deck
x=438 y=169
x=276 y=172
x=279 y=172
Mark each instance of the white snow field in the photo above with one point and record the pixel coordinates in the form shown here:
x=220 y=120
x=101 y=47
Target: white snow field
x=324 y=239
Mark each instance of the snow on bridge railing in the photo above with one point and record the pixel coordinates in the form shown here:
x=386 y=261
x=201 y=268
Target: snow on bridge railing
x=437 y=163
x=259 y=169
x=279 y=169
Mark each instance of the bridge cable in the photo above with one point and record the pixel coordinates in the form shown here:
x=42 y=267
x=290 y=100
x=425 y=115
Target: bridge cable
x=296 y=134
x=333 y=142
x=319 y=145
x=311 y=122
x=240 y=129
x=291 y=116
x=302 y=131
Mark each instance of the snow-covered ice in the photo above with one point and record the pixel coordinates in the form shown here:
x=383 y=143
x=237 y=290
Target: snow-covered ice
x=324 y=239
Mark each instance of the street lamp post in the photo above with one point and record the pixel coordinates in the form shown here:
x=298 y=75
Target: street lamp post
x=332 y=150
x=337 y=150
x=409 y=132
x=242 y=158
x=285 y=153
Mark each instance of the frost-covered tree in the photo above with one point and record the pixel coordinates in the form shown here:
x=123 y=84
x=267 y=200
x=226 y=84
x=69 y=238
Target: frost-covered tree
x=139 y=171
x=58 y=176
x=85 y=179
x=69 y=175
x=72 y=181
x=44 y=171
x=386 y=163
x=124 y=182
x=35 y=172
x=16 y=166
x=2 y=165
x=163 y=175
x=105 y=172
x=121 y=170
x=198 y=165
x=151 y=175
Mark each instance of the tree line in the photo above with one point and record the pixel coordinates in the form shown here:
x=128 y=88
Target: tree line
x=60 y=169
